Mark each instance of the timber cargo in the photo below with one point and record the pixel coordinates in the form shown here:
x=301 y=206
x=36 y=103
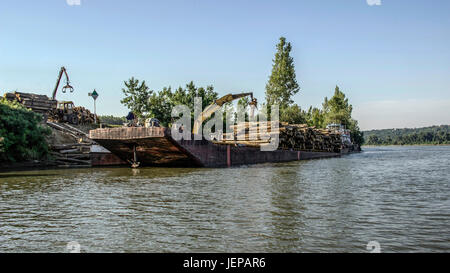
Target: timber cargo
x=155 y=146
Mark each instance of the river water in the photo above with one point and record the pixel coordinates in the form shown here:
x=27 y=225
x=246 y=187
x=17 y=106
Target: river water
x=396 y=196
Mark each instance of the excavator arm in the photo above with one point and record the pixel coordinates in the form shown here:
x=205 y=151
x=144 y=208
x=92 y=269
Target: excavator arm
x=66 y=87
x=216 y=106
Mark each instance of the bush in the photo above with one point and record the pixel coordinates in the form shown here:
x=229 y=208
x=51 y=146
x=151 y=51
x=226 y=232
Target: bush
x=21 y=135
x=111 y=120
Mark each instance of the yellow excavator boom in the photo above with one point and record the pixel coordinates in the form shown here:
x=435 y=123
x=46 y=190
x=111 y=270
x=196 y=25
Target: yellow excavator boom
x=216 y=106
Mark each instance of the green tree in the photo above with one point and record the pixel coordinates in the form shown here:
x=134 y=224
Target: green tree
x=282 y=84
x=160 y=104
x=356 y=134
x=136 y=96
x=293 y=115
x=337 y=109
x=21 y=135
x=315 y=117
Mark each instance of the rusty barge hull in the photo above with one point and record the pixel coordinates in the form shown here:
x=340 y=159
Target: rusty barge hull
x=156 y=147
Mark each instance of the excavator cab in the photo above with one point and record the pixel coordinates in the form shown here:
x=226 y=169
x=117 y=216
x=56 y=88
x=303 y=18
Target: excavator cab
x=66 y=106
x=66 y=112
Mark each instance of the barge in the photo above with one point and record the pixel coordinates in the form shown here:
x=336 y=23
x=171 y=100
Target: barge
x=155 y=146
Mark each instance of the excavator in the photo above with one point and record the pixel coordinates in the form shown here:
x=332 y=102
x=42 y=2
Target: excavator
x=207 y=113
x=65 y=108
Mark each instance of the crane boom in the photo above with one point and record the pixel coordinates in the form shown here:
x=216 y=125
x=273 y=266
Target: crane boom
x=66 y=87
x=211 y=109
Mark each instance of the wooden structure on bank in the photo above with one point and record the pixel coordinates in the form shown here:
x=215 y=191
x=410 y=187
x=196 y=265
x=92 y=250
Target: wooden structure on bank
x=37 y=103
x=51 y=110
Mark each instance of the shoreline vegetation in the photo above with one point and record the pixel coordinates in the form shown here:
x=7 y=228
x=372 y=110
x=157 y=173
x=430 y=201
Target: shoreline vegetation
x=404 y=145
x=22 y=135
x=432 y=135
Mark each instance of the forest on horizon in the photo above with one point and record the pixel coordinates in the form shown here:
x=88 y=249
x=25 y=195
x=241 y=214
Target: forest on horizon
x=432 y=135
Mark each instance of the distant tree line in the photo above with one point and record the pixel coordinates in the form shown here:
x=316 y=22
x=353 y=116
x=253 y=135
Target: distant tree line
x=428 y=135
x=111 y=120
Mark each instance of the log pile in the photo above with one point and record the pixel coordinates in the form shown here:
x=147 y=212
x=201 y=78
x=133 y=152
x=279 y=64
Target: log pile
x=78 y=115
x=49 y=108
x=72 y=155
x=291 y=137
x=76 y=154
x=84 y=115
x=37 y=103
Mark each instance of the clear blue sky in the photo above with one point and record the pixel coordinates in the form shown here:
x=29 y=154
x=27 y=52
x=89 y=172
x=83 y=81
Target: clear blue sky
x=392 y=60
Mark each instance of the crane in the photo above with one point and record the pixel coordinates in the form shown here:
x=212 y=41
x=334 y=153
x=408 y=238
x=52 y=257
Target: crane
x=67 y=87
x=216 y=106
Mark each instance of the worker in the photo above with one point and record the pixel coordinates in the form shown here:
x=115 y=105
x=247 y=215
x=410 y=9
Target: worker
x=131 y=119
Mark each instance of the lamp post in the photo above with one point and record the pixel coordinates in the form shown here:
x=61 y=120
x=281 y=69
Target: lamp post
x=94 y=95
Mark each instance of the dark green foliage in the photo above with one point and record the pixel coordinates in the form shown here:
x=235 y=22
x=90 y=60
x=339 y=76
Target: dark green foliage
x=428 y=135
x=146 y=103
x=293 y=115
x=160 y=104
x=282 y=83
x=315 y=117
x=111 y=120
x=337 y=109
x=136 y=96
x=21 y=135
x=357 y=136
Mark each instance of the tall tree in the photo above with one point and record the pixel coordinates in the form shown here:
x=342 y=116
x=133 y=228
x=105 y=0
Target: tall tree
x=282 y=83
x=136 y=96
x=337 y=109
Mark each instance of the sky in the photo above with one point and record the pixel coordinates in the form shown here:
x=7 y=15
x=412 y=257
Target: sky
x=390 y=57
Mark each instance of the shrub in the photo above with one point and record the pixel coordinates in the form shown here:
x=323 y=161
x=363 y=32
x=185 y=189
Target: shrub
x=21 y=135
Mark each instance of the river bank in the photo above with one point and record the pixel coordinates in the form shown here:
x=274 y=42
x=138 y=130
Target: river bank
x=404 y=145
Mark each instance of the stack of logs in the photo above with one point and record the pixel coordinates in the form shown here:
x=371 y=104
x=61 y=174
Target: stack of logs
x=291 y=137
x=48 y=108
x=84 y=116
x=72 y=155
x=37 y=103
x=76 y=154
